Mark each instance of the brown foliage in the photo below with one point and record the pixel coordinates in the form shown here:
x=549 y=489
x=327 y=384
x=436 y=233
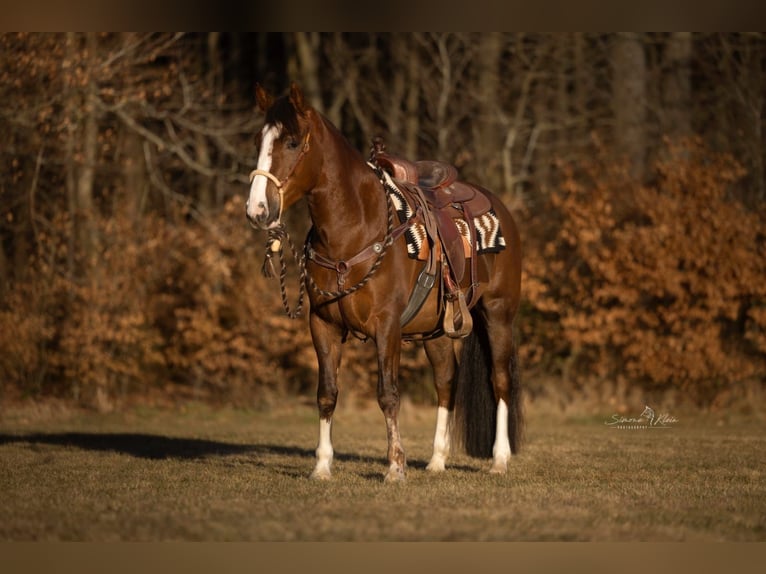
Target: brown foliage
x=163 y=301
x=663 y=284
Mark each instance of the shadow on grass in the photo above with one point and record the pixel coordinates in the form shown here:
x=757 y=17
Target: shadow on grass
x=158 y=447
x=151 y=446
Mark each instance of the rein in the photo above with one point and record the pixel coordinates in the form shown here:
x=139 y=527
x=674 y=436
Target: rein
x=274 y=245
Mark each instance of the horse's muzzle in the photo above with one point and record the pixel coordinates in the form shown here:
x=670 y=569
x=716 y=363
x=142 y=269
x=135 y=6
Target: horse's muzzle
x=259 y=218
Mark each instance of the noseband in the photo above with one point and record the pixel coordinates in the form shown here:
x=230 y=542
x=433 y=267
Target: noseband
x=280 y=184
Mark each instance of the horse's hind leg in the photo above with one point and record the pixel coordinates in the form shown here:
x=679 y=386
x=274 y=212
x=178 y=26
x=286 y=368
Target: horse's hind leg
x=327 y=343
x=441 y=354
x=499 y=315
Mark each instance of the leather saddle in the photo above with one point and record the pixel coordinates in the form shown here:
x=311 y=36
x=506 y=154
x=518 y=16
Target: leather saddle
x=438 y=180
x=433 y=188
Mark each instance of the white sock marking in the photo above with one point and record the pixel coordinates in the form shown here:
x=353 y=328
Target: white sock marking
x=441 y=439
x=324 y=450
x=501 y=451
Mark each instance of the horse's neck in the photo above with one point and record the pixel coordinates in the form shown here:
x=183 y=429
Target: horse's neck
x=347 y=207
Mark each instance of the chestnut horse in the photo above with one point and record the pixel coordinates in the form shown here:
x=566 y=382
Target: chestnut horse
x=366 y=287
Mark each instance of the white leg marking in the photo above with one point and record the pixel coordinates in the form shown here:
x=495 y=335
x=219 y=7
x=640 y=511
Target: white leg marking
x=441 y=440
x=501 y=451
x=257 y=203
x=324 y=451
x=395 y=452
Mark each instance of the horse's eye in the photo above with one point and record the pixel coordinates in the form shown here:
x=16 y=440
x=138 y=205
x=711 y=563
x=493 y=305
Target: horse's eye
x=292 y=143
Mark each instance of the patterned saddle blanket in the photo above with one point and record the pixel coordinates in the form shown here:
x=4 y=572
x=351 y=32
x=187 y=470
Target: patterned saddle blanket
x=489 y=235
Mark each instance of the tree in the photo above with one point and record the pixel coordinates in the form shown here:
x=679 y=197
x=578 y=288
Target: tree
x=629 y=99
x=675 y=112
x=488 y=133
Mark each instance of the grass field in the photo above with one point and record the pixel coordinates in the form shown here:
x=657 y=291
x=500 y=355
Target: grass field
x=198 y=473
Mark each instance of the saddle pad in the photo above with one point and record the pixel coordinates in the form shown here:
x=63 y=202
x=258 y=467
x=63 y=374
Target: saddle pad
x=488 y=233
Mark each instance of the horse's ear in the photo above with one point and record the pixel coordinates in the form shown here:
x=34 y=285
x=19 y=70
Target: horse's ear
x=263 y=98
x=296 y=98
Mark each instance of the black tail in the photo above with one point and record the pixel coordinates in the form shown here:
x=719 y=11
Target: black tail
x=475 y=405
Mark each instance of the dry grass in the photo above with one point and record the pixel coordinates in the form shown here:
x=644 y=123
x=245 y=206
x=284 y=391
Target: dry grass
x=199 y=473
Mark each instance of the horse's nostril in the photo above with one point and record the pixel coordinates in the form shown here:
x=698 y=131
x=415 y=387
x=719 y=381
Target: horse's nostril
x=258 y=212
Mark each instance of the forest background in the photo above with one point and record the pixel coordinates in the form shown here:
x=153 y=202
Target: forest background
x=633 y=162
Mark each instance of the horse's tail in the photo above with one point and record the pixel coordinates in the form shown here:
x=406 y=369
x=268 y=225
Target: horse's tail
x=475 y=405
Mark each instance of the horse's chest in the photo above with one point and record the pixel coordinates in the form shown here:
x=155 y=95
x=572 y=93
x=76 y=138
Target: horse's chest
x=348 y=314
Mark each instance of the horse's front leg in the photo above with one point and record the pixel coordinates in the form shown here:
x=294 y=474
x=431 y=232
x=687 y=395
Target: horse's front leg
x=327 y=340
x=389 y=349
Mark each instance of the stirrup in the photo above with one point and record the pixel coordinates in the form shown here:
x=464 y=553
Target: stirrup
x=457 y=318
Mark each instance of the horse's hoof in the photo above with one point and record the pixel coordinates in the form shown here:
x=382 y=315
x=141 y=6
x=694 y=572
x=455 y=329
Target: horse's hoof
x=499 y=468
x=436 y=465
x=394 y=475
x=321 y=474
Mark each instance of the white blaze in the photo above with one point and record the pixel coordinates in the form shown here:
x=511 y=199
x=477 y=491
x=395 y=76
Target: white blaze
x=258 y=203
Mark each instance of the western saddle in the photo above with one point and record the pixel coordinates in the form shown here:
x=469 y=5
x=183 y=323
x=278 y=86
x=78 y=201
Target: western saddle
x=438 y=198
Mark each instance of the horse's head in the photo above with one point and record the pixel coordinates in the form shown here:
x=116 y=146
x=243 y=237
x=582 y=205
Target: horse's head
x=283 y=172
